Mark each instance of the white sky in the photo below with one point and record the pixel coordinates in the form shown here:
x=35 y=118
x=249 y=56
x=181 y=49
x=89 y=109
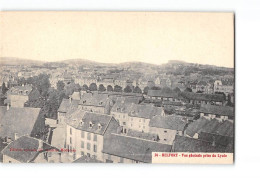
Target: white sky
x=157 y=37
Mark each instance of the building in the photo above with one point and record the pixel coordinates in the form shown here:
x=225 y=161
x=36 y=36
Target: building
x=119 y=148
x=85 y=133
x=18 y=95
x=66 y=106
x=166 y=127
x=96 y=102
x=223 y=86
x=16 y=122
x=30 y=150
x=201 y=98
x=135 y=116
x=217 y=112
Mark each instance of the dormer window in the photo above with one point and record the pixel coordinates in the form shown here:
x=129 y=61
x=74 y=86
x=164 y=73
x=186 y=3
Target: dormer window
x=81 y=123
x=99 y=126
x=90 y=124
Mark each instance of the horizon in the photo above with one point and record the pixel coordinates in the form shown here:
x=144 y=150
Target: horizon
x=119 y=37
x=134 y=61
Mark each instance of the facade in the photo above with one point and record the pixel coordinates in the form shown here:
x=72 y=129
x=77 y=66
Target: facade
x=85 y=133
x=225 y=87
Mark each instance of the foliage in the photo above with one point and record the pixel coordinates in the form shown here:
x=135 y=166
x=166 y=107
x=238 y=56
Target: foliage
x=128 y=89
x=146 y=90
x=109 y=88
x=118 y=88
x=137 y=90
x=4 y=88
x=101 y=88
x=93 y=87
x=60 y=85
x=85 y=87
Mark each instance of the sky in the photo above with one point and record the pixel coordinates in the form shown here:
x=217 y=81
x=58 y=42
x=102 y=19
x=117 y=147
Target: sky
x=116 y=37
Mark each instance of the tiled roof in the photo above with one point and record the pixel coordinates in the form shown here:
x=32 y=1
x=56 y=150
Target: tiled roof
x=94 y=99
x=17 y=89
x=146 y=111
x=86 y=159
x=18 y=120
x=81 y=120
x=66 y=105
x=203 y=97
x=219 y=110
x=226 y=129
x=196 y=126
x=121 y=107
x=211 y=126
x=22 y=143
x=186 y=144
x=133 y=148
x=162 y=93
x=168 y=122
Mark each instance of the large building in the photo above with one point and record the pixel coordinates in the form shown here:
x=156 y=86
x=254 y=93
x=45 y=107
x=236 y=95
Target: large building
x=85 y=133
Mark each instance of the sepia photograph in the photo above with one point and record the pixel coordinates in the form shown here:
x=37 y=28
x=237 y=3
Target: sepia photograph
x=117 y=87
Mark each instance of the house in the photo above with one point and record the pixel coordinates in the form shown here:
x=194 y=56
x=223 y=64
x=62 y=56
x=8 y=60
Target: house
x=139 y=116
x=201 y=86
x=85 y=133
x=119 y=148
x=186 y=144
x=194 y=127
x=218 y=133
x=16 y=122
x=224 y=86
x=18 y=95
x=30 y=150
x=163 y=95
x=65 y=106
x=96 y=102
x=167 y=127
x=201 y=98
x=217 y=112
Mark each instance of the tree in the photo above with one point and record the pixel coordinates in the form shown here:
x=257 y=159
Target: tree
x=109 y=88
x=4 y=88
x=101 y=88
x=85 y=87
x=188 y=90
x=118 y=88
x=177 y=90
x=93 y=87
x=60 y=85
x=128 y=89
x=155 y=88
x=146 y=90
x=137 y=90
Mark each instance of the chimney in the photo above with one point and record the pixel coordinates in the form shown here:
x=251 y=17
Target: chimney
x=8 y=107
x=70 y=100
x=40 y=147
x=15 y=136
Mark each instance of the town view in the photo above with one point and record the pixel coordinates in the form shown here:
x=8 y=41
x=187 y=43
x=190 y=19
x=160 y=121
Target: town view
x=82 y=111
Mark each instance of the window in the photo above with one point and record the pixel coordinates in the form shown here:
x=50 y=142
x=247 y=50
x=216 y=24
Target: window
x=165 y=139
x=88 y=154
x=165 y=131
x=70 y=131
x=94 y=156
x=82 y=153
x=124 y=123
x=95 y=148
x=95 y=137
x=89 y=136
x=109 y=157
x=82 y=134
x=70 y=140
x=82 y=144
x=88 y=146
x=90 y=123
